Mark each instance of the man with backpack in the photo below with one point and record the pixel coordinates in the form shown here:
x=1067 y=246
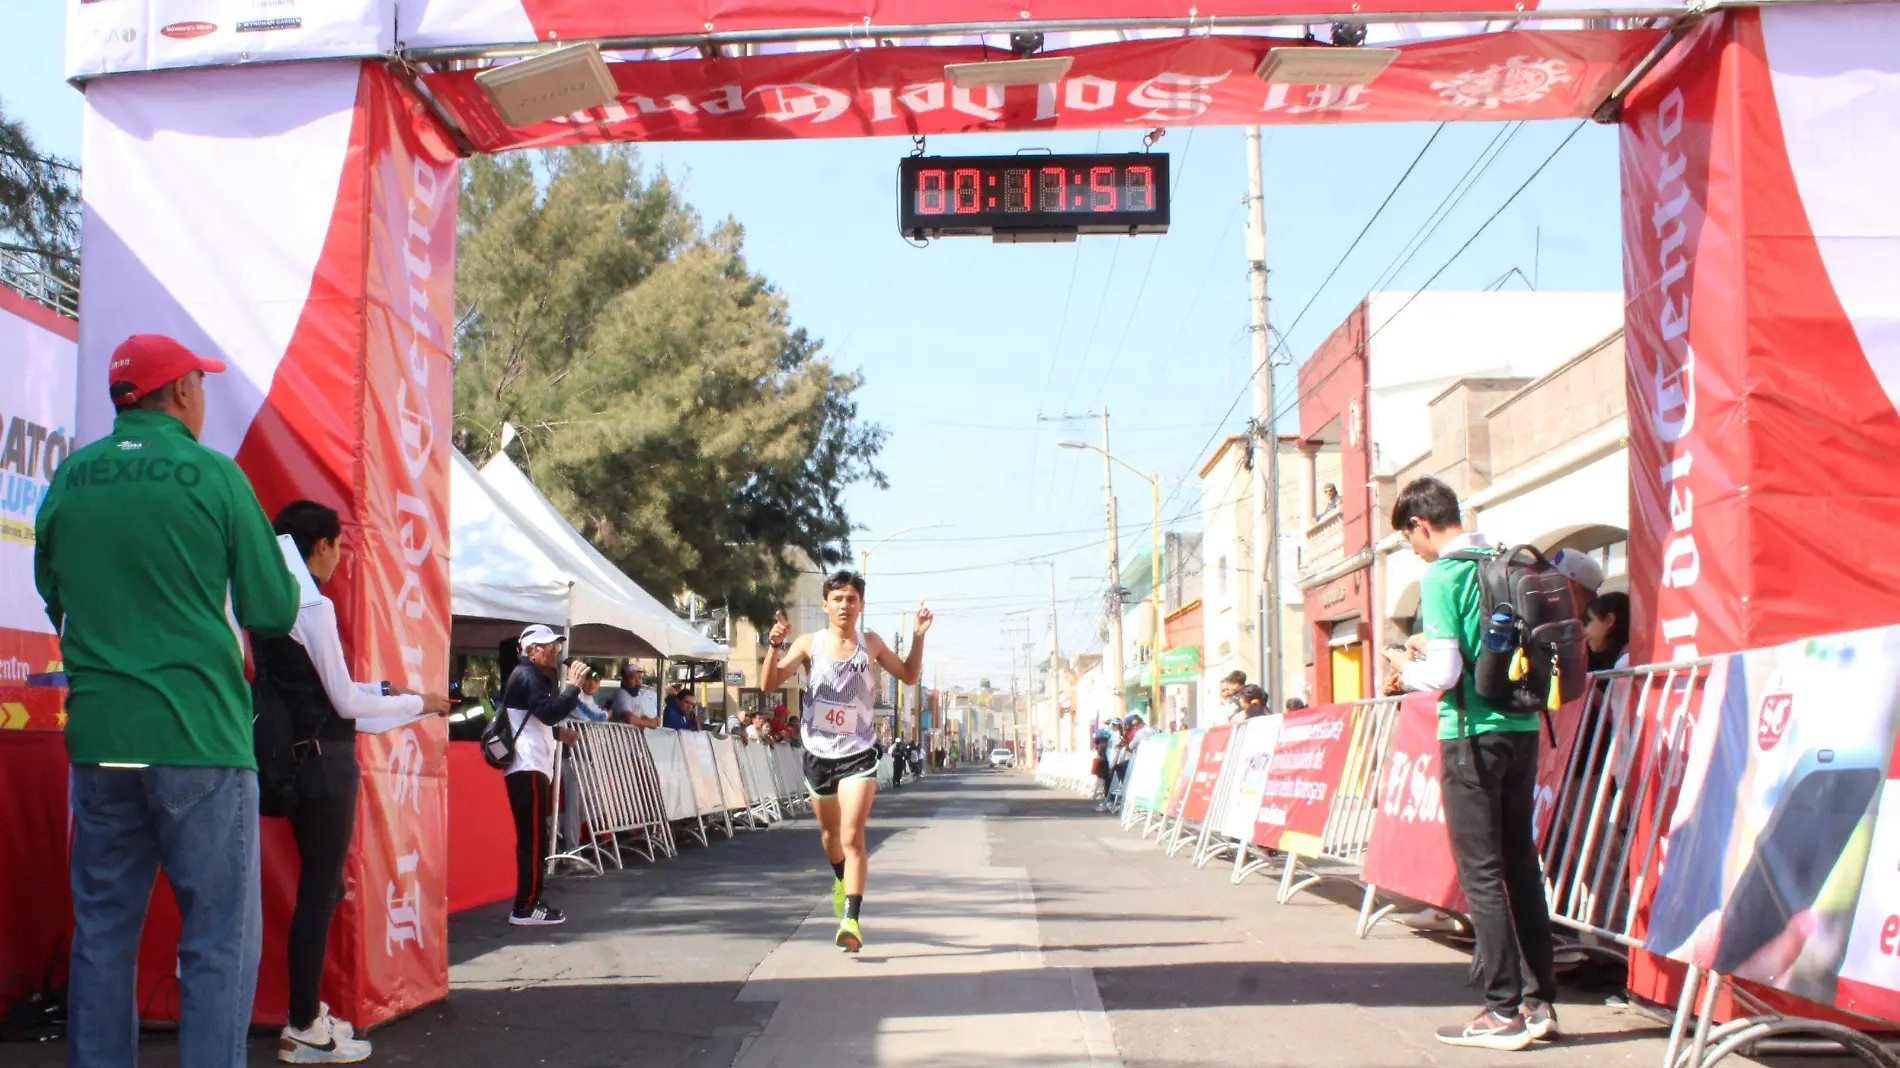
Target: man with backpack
x=1477 y=632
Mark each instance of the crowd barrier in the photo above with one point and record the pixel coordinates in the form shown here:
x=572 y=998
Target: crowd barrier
x=627 y=789
x=1351 y=792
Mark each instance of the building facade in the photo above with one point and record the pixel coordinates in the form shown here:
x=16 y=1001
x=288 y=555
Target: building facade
x=1387 y=392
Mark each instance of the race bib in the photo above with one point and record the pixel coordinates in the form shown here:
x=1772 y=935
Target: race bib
x=837 y=719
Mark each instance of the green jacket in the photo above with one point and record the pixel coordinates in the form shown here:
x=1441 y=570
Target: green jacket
x=146 y=544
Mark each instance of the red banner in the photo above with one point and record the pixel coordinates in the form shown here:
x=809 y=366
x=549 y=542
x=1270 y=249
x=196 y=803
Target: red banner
x=1410 y=853
x=1200 y=791
x=1308 y=760
x=396 y=958
x=1209 y=81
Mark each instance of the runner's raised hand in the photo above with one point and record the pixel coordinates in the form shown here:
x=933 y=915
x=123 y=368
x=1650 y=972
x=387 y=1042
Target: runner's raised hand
x=780 y=629
x=924 y=618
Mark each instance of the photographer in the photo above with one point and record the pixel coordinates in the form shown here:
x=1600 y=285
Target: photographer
x=536 y=699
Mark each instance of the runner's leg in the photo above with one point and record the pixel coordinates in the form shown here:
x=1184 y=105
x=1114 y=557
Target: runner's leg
x=853 y=805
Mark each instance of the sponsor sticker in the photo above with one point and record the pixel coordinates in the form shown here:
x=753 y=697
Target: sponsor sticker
x=267 y=25
x=184 y=31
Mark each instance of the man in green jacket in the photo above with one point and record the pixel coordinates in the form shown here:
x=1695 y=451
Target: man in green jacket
x=151 y=550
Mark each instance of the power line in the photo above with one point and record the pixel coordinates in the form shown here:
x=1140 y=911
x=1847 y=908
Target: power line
x=1480 y=166
x=1396 y=186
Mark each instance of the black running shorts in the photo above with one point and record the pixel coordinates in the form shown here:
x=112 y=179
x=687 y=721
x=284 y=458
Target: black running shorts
x=822 y=776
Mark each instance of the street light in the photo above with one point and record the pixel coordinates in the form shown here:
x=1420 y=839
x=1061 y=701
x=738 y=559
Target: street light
x=1154 y=569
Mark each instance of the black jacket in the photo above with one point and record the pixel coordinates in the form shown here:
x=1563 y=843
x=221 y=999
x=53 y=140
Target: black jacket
x=529 y=688
x=329 y=764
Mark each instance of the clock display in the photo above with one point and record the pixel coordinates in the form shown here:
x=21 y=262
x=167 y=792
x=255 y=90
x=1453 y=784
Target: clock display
x=1052 y=195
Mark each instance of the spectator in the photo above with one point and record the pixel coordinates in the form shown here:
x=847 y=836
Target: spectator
x=689 y=708
x=1254 y=701
x=1102 y=767
x=536 y=699
x=1294 y=704
x=586 y=706
x=636 y=703
x=1231 y=700
x=899 y=762
x=1488 y=760
x=1606 y=629
x=144 y=540
x=1584 y=573
x=309 y=673
x=674 y=716
x=1117 y=764
x=783 y=727
x=1329 y=501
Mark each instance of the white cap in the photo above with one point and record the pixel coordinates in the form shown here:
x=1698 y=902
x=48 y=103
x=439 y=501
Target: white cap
x=539 y=634
x=1579 y=568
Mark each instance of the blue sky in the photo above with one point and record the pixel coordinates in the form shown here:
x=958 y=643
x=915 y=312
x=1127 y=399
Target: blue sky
x=963 y=343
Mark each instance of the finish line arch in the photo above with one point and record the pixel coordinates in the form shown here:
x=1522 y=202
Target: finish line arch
x=279 y=192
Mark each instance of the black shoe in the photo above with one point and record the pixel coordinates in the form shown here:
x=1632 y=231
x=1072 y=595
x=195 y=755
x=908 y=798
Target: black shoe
x=1488 y=1030
x=541 y=915
x=1540 y=1019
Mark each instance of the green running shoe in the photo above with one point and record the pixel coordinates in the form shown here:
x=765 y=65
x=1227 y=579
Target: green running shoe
x=837 y=898
x=850 y=938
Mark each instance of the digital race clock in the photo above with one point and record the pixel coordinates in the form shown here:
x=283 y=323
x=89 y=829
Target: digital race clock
x=1033 y=198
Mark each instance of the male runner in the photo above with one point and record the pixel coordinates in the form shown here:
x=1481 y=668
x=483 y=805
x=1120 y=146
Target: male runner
x=840 y=732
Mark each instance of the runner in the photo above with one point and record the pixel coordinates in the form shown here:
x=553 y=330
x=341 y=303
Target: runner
x=840 y=732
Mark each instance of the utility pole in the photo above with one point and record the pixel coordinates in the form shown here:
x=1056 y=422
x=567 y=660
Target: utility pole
x=1055 y=647
x=1267 y=543
x=1114 y=577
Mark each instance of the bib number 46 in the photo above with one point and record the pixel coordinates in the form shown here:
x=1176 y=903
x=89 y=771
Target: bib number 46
x=836 y=718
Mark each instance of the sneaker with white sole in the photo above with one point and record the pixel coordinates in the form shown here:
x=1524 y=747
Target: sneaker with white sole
x=541 y=915
x=1540 y=1019
x=1431 y=920
x=1488 y=1030
x=326 y=1041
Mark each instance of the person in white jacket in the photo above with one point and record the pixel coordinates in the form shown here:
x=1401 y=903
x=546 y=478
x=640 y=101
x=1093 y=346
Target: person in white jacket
x=310 y=673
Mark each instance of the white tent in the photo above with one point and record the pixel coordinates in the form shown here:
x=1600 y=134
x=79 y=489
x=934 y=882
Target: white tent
x=635 y=611
x=506 y=571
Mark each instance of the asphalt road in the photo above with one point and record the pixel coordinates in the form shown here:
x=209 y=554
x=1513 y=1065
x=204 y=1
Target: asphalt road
x=1005 y=924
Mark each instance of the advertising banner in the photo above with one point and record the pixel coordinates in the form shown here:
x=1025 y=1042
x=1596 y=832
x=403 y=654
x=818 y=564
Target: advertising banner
x=1184 y=774
x=118 y=36
x=1410 y=853
x=1780 y=856
x=1144 y=772
x=1255 y=754
x=1173 y=81
x=39 y=359
x=1207 y=769
x=1173 y=753
x=1307 y=764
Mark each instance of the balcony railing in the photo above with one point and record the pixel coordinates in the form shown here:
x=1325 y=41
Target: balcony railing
x=23 y=273
x=1325 y=543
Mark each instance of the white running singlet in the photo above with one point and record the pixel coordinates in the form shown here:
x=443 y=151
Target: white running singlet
x=838 y=722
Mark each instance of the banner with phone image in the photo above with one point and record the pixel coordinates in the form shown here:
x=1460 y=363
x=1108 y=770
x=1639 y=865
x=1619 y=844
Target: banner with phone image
x=1783 y=806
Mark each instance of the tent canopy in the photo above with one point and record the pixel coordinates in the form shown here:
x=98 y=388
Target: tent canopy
x=602 y=593
x=507 y=570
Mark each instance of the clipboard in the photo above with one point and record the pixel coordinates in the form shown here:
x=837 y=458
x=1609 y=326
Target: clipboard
x=307 y=594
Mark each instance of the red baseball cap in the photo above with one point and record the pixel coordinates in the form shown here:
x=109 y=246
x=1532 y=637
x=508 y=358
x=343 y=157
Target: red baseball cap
x=145 y=362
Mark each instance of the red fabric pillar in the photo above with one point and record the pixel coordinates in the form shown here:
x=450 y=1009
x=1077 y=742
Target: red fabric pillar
x=300 y=224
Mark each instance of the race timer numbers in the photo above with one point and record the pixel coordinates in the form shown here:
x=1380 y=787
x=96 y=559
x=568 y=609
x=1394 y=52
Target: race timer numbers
x=1032 y=198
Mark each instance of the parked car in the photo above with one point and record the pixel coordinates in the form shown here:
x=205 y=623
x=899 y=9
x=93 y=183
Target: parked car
x=1002 y=758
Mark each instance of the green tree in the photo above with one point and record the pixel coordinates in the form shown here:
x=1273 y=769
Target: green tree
x=39 y=204
x=668 y=406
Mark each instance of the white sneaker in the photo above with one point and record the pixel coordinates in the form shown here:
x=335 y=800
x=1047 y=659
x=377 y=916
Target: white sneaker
x=1431 y=920
x=326 y=1041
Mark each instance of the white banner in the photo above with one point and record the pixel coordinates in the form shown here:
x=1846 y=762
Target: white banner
x=39 y=355
x=118 y=36
x=1255 y=756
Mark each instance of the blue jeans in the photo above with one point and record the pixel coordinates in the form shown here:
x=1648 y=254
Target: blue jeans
x=200 y=824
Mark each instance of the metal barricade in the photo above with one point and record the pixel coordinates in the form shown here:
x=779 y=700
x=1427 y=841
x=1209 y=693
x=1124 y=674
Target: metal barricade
x=755 y=773
x=1354 y=805
x=1615 y=797
x=617 y=793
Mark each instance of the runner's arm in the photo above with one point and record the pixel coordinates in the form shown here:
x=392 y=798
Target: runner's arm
x=781 y=665
x=909 y=668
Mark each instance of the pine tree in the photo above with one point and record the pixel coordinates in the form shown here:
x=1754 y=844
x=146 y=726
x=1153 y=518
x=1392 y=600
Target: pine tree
x=667 y=405
x=39 y=205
